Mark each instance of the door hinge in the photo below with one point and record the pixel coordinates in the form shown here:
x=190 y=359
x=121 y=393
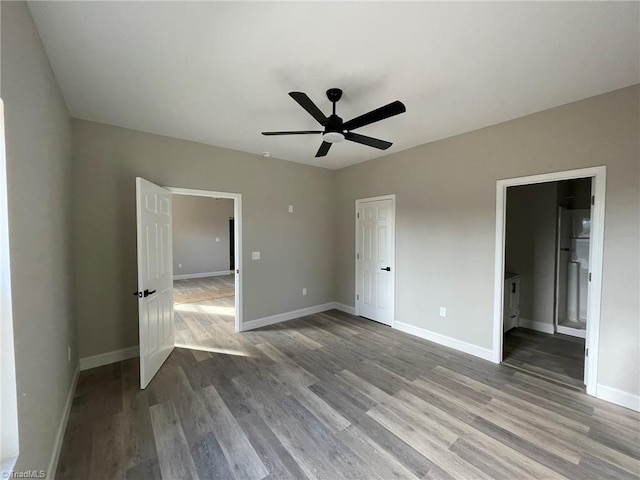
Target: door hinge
x=358 y=215
x=357 y=256
x=593 y=199
x=357 y=296
x=586 y=352
x=589 y=276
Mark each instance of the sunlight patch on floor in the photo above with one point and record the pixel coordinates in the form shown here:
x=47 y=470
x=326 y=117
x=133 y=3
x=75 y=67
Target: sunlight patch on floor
x=190 y=307
x=222 y=351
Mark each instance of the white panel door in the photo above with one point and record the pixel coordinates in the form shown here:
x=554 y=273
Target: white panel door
x=155 y=277
x=375 y=264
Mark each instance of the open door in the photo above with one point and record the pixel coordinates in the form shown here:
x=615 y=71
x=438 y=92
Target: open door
x=155 y=277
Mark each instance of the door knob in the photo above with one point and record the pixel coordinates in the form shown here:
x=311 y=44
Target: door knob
x=388 y=269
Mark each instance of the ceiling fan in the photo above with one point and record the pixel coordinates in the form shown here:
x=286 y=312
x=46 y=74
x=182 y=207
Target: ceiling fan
x=335 y=130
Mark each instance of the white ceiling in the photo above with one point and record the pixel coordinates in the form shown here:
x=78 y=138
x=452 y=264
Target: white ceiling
x=219 y=72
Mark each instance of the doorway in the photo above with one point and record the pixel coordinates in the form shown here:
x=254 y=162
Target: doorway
x=546 y=262
x=203 y=283
x=375 y=258
x=507 y=283
x=207 y=291
x=156 y=309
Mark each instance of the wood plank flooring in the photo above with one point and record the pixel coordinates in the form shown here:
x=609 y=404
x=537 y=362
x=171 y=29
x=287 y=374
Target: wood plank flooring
x=333 y=396
x=557 y=357
x=202 y=289
x=208 y=324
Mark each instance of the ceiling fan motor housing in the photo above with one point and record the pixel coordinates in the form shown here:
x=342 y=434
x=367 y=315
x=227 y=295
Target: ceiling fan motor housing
x=335 y=130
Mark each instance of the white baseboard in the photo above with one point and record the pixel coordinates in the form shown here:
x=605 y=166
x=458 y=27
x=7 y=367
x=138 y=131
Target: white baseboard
x=537 y=326
x=62 y=427
x=619 y=397
x=574 y=332
x=283 y=317
x=202 y=275
x=344 y=308
x=450 y=342
x=110 y=357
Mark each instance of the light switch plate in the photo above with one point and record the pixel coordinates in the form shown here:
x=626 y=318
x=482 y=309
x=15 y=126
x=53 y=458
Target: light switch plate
x=255 y=255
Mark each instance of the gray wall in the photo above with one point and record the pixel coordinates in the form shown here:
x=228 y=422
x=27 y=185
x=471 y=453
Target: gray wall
x=197 y=222
x=446 y=195
x=39 y=197
x=530 y=247
x=297 y=249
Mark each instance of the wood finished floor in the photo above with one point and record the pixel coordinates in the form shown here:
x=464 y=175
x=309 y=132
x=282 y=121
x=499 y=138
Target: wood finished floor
x=333 y=396
x=207 y=324
x=558 y=357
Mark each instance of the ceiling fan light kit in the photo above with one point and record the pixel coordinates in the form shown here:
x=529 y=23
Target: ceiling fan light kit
x=333 y=137
x=335 y=129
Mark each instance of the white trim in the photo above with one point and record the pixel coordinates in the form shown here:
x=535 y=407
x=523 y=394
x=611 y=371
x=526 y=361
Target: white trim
x=237 y=225
x=202 y=275
x=283 y=317
x=344 y=308
x=62 y=427
x=537 y=326
x=619 y=397
x=9 y=433
x=574 y=332
x=391 y=197
x=475 y=350
x=109 y=357
x=595 y=261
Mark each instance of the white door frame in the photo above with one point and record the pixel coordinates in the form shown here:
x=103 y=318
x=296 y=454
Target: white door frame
x=237 y=212
x=359 y=201
x=598 y=174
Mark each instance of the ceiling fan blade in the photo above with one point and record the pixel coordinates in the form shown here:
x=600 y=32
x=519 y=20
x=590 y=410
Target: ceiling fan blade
x=298 y=132
x=394 y=108
x=305 y=102
x=369 y=141
x=324 y=149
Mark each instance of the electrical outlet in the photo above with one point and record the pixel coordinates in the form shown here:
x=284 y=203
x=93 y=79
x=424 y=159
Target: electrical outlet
x=290 y=208
x=304 y=291
x=443 y=311
x=217 y=239
x=255 y=255
x=179 y=265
